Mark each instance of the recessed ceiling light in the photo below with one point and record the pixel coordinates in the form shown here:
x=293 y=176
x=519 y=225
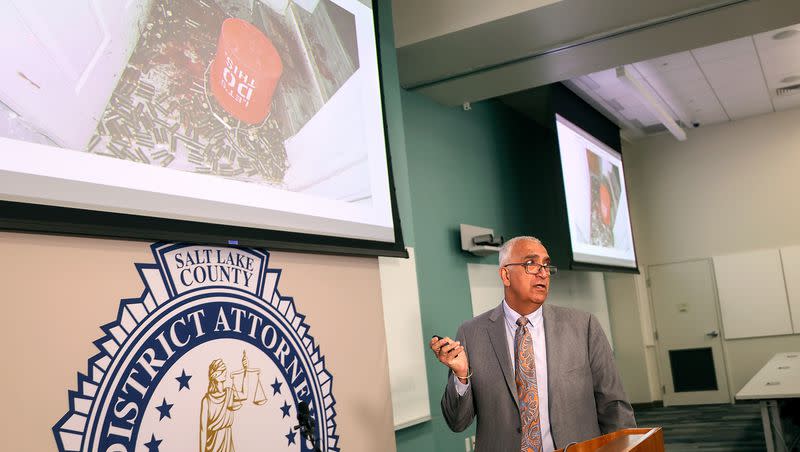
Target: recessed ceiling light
x=791 y=79
x=785 y=34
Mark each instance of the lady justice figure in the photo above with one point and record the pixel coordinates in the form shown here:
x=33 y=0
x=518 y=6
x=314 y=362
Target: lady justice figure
x=217 y=409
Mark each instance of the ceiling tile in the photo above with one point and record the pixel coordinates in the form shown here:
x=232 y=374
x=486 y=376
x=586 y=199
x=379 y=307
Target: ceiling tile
x=786 y=102
x=776 y=57
x=687 y=74
x=629 y=101
x=775 y=81
x=614 y=91
x=737 y=74
x=776 y=70
x=739 y=84
x=605 y=78
x=742 y=108
x=708 y=118
x=709 y=85
x=780 y=58
x=686 y=93
x=765 y=40
x=676 y=61
x=708 y=111
x=640 y=113
x=725 y=50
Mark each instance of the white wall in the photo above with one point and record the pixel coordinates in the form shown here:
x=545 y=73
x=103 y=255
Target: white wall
x=630 y=352
x=728 y=188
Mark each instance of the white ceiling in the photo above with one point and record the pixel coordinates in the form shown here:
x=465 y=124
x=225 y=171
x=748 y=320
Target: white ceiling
x=708 y=85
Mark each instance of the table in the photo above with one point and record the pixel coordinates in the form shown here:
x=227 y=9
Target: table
x=778 y=379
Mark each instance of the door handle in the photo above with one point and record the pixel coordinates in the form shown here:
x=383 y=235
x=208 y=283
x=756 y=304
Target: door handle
x=712 y=334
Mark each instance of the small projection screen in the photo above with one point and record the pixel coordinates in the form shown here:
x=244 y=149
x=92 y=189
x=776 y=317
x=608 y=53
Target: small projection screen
x=597 y=200
x=240 y=118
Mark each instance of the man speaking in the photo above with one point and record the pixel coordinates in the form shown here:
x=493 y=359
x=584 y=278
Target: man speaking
x=536 y=376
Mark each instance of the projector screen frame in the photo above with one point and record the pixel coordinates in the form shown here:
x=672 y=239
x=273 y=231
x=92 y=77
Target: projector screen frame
x=580 y=265
x=28 y=217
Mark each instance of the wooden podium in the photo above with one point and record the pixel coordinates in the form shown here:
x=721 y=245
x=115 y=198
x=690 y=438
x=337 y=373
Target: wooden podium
x=629 y=439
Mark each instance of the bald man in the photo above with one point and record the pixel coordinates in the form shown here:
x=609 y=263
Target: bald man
x=537 y=376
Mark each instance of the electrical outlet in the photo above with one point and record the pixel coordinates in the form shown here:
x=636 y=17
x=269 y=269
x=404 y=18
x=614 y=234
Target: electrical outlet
x=469 y=443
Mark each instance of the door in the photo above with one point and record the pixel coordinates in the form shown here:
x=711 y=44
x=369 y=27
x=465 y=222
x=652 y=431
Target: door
x=60 y=61
x=689 y=343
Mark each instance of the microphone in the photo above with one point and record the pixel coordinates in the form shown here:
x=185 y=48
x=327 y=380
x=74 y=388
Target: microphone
x=304 y=417
x=306 y=424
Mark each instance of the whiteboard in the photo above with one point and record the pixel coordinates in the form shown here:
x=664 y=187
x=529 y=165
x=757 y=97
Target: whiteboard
x=585 y=291
x=580 y=290
x=404 y=340
x=752 y=294
x=790 y=256
x=485 y=287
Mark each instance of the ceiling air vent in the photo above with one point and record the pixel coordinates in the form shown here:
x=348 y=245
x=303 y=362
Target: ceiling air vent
x=788 y=90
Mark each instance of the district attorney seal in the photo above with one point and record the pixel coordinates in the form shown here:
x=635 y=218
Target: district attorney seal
x=211 y=357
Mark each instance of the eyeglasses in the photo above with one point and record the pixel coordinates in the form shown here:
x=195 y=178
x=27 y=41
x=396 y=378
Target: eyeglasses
x=532 y=268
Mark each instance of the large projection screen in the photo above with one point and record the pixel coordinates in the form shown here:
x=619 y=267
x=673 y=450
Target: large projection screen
x=597 y=199
x=258 y=114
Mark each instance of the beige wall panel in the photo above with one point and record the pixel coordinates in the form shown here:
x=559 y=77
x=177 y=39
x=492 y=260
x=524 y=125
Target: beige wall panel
x=58 y=291
x=629 y=351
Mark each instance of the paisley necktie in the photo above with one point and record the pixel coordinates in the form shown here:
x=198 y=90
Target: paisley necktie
x=525 y=371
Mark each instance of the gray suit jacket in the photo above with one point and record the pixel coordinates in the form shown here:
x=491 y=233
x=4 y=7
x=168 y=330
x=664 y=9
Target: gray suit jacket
x=584 y=389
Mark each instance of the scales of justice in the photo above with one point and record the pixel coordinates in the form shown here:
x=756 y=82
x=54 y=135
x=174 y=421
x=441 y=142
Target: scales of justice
x=240 y=380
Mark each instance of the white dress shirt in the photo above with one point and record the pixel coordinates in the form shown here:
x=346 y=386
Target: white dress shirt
x=536 y=328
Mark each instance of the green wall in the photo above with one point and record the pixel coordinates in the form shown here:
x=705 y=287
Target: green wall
x=451 y=166
x=460 y=170
x=490 y=167
x=394 y=117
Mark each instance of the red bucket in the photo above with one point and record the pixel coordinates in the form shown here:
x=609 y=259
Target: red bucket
x=245 y=71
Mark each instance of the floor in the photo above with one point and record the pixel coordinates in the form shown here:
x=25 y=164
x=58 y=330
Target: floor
x=711 y=428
